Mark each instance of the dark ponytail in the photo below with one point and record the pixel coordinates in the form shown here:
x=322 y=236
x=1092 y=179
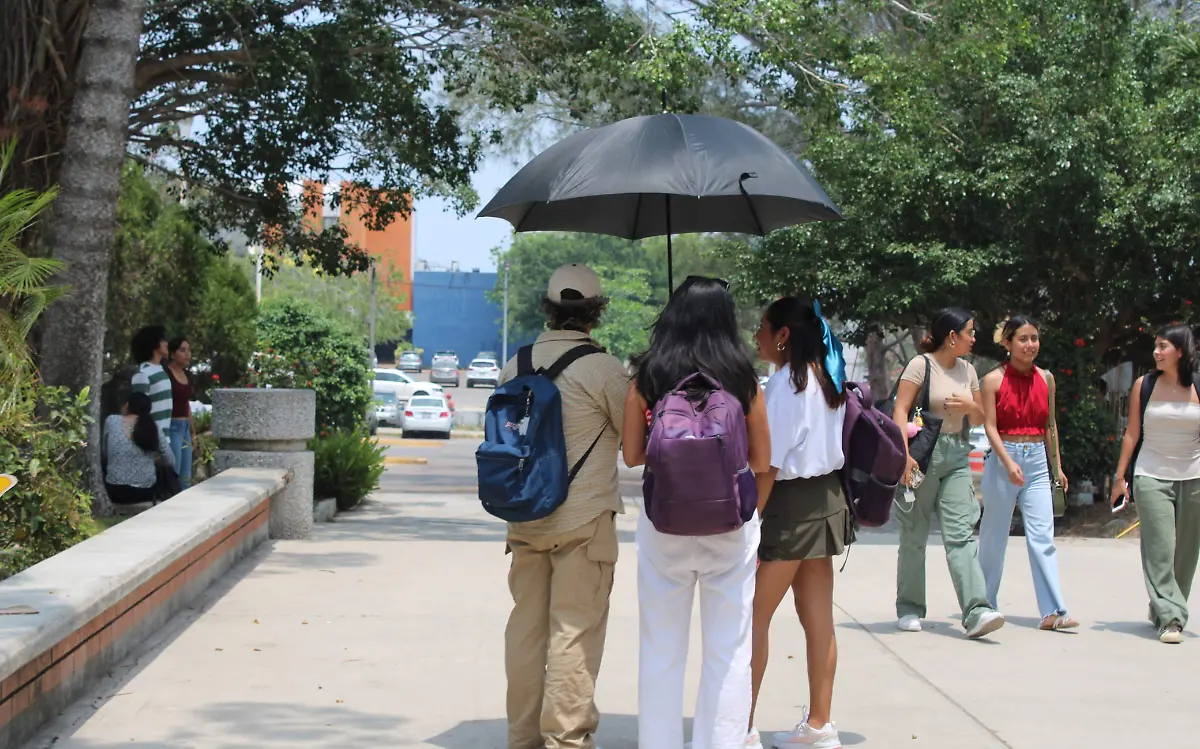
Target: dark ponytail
x=806 y=345
x=1182 y=338
x=145 y=429
x=949 y=320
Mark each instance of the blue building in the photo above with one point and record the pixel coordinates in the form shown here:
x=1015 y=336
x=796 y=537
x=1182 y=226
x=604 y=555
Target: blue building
x=451 y=311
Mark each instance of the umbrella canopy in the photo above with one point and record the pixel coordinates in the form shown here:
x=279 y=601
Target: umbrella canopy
x=663 y=174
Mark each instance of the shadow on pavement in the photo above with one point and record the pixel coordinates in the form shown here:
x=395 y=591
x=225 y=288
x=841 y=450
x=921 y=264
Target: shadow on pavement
x=1143 y=630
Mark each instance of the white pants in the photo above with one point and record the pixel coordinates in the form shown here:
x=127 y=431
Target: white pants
x=669 y=567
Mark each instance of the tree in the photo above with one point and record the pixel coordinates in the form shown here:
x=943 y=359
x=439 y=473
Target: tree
x=1008 y=156
x=84 y=220
x=164 y=271
x=625 y=327
x=345 y=299
x=533 y=257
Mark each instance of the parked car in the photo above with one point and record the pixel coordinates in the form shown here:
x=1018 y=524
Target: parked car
x=410 y=361
x=393 y=381
x=427 y=414
x=446 y=354
x=483 y=372
x=387 y=412
x=445 y=371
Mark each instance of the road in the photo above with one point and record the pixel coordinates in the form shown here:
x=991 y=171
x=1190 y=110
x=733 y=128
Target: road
x=386 y=629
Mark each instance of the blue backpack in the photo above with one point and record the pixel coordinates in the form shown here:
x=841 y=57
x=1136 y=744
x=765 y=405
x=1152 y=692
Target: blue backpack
x=522 y=462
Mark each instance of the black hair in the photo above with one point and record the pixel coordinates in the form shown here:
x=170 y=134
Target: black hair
x=1182 y=338
x=1015 y=323
x=806 y=345
x=582 y=316
x=945 y=322
x=145 y=429
x=697 y=332
x=146 y=341
x=174 y=344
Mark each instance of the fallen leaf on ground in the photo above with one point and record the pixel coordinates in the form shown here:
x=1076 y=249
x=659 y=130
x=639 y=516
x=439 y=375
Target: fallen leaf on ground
x=17 y=610
x=256 y=621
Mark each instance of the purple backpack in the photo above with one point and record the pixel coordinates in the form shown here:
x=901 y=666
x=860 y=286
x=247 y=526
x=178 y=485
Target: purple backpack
x=697 y=480
x=874 y=448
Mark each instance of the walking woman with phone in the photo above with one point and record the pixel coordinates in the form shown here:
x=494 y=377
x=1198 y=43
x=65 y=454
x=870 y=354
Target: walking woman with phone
x=1160 y=468
x=937 y=402
x=1022 y=468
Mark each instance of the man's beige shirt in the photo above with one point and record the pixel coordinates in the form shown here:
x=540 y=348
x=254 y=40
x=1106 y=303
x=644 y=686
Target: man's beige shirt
x=593 y=399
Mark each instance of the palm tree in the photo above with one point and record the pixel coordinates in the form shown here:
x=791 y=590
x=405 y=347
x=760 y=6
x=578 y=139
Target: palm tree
x=24 y=292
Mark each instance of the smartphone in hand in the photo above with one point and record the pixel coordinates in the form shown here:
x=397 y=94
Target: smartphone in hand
x=1122 y=502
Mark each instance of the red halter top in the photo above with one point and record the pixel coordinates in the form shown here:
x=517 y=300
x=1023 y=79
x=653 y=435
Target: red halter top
x=1022 y=403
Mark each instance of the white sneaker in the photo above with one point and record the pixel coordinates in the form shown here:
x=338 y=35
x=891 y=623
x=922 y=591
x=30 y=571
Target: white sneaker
x=987 y=624
x=753 y=739
x=806 y=735
x=1172 y=634
x=909 y=623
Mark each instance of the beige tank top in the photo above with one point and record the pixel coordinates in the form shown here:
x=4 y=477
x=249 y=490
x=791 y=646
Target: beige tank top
x=1171 y=442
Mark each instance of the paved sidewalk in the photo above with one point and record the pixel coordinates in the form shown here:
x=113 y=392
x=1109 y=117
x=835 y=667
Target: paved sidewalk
x=385 y=629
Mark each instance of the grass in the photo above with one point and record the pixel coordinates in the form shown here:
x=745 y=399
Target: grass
x=99 y=525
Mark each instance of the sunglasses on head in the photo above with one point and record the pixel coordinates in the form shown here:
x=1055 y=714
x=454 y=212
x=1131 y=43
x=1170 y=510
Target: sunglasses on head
x=694 y=279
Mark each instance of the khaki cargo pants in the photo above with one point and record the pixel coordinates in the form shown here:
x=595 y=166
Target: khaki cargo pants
x=560 y=586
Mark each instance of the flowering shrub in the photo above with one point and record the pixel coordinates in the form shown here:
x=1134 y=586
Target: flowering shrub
x=271 y=369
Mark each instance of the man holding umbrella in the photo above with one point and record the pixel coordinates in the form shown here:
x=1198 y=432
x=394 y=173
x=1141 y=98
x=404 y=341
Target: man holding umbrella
x=562 y=565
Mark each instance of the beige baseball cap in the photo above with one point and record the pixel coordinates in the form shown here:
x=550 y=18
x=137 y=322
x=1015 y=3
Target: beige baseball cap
x=574 y=283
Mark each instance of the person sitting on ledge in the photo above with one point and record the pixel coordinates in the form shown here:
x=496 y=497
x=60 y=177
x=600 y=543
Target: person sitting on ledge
x=132 y=439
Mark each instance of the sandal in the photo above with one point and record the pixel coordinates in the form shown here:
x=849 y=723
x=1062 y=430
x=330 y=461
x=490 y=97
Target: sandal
x=1055 y=622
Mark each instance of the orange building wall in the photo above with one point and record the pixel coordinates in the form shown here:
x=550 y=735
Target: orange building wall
x=390 y=247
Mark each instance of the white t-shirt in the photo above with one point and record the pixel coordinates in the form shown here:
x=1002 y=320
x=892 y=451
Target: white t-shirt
x=806 y=435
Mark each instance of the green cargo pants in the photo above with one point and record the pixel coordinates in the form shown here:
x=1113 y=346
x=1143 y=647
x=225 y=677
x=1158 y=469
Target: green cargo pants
x=1169 y=512
x=949 y=490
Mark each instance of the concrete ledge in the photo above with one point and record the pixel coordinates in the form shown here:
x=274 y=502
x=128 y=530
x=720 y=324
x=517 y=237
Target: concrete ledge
x=99 y=600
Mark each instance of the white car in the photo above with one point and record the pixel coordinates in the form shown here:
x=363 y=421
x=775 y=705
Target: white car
x=404 y=387
x=427 y=414
x=483 y=372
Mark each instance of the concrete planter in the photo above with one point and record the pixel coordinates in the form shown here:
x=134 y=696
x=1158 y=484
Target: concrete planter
x=270 y=428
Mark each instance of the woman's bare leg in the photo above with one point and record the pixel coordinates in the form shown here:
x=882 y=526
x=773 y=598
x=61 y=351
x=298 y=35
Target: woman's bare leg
x=771 y=585
x=812 y=588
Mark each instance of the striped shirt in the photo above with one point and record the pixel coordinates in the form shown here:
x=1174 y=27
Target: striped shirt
x=154 y=381
x=593 y=394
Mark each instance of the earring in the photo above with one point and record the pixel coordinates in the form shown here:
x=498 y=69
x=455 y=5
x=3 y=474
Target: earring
x=780 y=347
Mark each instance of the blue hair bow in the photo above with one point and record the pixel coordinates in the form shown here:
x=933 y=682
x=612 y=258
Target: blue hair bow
x=835 y=363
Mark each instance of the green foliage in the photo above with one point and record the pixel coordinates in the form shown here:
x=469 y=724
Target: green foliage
x=625 y=328
x=42 y=435
x=293 y=91
x=163 y=271
x=24 y=292
x=323 y=356
x=636 y=276
x=347 y=465
x=346 y=299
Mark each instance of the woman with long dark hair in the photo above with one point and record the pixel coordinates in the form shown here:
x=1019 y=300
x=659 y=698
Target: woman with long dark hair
x=947 y=487
x=132 y=439
x=1018 y=405
x=806 y=521
x=183 y=428
x=697 y=332
x=1162 y=442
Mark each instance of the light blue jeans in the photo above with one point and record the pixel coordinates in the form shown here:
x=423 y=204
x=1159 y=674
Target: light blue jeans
x=181 y=450
x=1000 y=495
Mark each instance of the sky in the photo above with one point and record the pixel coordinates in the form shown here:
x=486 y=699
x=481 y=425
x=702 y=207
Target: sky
x=441 y=237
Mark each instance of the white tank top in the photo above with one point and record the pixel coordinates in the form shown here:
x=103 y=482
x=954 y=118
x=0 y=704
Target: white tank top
x=1171 y=442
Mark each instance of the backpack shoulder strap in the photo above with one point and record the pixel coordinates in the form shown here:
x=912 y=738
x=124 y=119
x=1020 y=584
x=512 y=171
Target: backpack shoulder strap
x=1146 y=392
x=569 y=358
x=525 y=361
x=925 y=386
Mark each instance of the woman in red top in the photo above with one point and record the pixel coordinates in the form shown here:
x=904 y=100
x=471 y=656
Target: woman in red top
x=1017 y=399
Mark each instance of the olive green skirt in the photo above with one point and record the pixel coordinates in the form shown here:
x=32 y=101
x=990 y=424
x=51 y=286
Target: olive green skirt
x=806 y=518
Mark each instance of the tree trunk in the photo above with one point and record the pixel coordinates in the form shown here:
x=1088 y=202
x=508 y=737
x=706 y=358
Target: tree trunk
x=80 y=231
x=877 y=374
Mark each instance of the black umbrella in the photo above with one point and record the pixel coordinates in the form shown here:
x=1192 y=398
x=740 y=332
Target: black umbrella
x=663 y=174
